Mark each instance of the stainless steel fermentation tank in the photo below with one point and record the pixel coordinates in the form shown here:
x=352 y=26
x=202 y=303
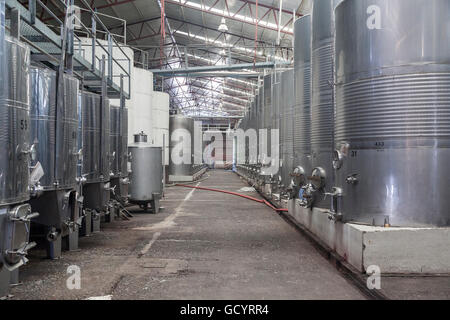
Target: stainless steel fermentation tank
x=275 y=116
x=322 y=105
x=182 y=127
x=302 y=106
x=15 y=214
x=146 y=180
x=119 y=153
x=53 y=129
x=392 y=127
x=265 y=139
x=287 y=134
x=94 y=137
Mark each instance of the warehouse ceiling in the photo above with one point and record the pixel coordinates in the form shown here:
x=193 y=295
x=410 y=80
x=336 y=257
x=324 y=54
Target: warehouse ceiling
x=190 y=37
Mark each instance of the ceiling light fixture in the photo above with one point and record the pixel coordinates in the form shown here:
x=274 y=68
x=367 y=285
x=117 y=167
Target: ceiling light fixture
x=223 y=27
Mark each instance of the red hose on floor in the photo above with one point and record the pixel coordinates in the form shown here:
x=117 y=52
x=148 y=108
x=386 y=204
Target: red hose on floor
x=267 y=203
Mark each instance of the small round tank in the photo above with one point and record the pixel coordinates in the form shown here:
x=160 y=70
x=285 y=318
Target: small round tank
x=146 y=181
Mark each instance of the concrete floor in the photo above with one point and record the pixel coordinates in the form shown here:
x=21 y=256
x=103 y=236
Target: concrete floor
x=203 y=245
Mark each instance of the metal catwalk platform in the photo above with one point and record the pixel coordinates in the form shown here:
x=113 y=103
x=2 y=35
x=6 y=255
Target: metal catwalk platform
x=45 y=45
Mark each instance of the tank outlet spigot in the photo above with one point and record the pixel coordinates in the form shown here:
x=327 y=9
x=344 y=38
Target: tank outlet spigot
x=306 y=195
x=352 y=179
x=298 y=177
x=52 y=235
x=338 y=159
x=334 y=216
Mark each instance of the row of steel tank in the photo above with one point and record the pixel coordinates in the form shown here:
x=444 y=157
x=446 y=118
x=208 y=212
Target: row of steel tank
x=63 y=165
x=183 y=132
x=364 y=130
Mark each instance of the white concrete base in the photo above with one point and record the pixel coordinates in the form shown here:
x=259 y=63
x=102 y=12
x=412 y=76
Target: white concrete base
x=393 y=250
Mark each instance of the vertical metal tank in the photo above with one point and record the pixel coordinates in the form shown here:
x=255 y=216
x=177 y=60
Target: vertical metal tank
x=302 y=107
x=90 y=137
x=119 y=153
x=146 y=184
x=115 y=141
x=267 y=124
x=95 y=135
x=54 y=136
x=287 y=127
x=15 y=124
x=322 y=103
x=15 y=215
x=181 y=126
x=105 y=157
x=275 y=111
x=392 y=125
x=260 y=108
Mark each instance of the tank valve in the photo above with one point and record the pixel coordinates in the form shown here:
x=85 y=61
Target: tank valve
x=298 y=177
x=306 y=195
x=338 y=159
x=352 y=179
x=52 y=235
x=336 y=193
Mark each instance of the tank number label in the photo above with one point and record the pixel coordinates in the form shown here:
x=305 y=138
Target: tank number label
x=374 y=19
x=379 y=144
x=353 y=153
x=23 y=124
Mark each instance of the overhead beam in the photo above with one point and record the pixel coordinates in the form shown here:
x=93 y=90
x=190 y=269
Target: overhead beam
x=192 y=70
x=185 y=4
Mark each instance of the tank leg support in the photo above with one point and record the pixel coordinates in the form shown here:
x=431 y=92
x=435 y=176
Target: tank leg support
x=14 y=277
x=4 y=282
x=71 y=241
x=86 y=224
x=95 y=221
x=155 y=205
x=54 y=247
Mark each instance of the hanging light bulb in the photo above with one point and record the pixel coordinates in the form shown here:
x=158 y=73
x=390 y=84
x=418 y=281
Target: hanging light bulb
x=223 y=27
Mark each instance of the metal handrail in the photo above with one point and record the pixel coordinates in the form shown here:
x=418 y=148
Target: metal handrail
x=92 y=33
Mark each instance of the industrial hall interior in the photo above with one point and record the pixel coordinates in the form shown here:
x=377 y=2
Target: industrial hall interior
x=224 y=150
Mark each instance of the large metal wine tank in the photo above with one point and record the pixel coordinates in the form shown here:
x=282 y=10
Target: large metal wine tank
x=67 y=148
x=95 y=165
x=276 y=98
x=146 y=184
x=90 y=137
x=392 y=126
x=123 y=160
x=267 y=114
x=115 y=141
x=105 y=141
x=287 y=124
x=322 y=99
x=302 y=106
x=14 y=156
x=260 y=107
x=55 y=142
x=43 y=122
x=119 y=153
x=14 y=124
x=182 y=127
